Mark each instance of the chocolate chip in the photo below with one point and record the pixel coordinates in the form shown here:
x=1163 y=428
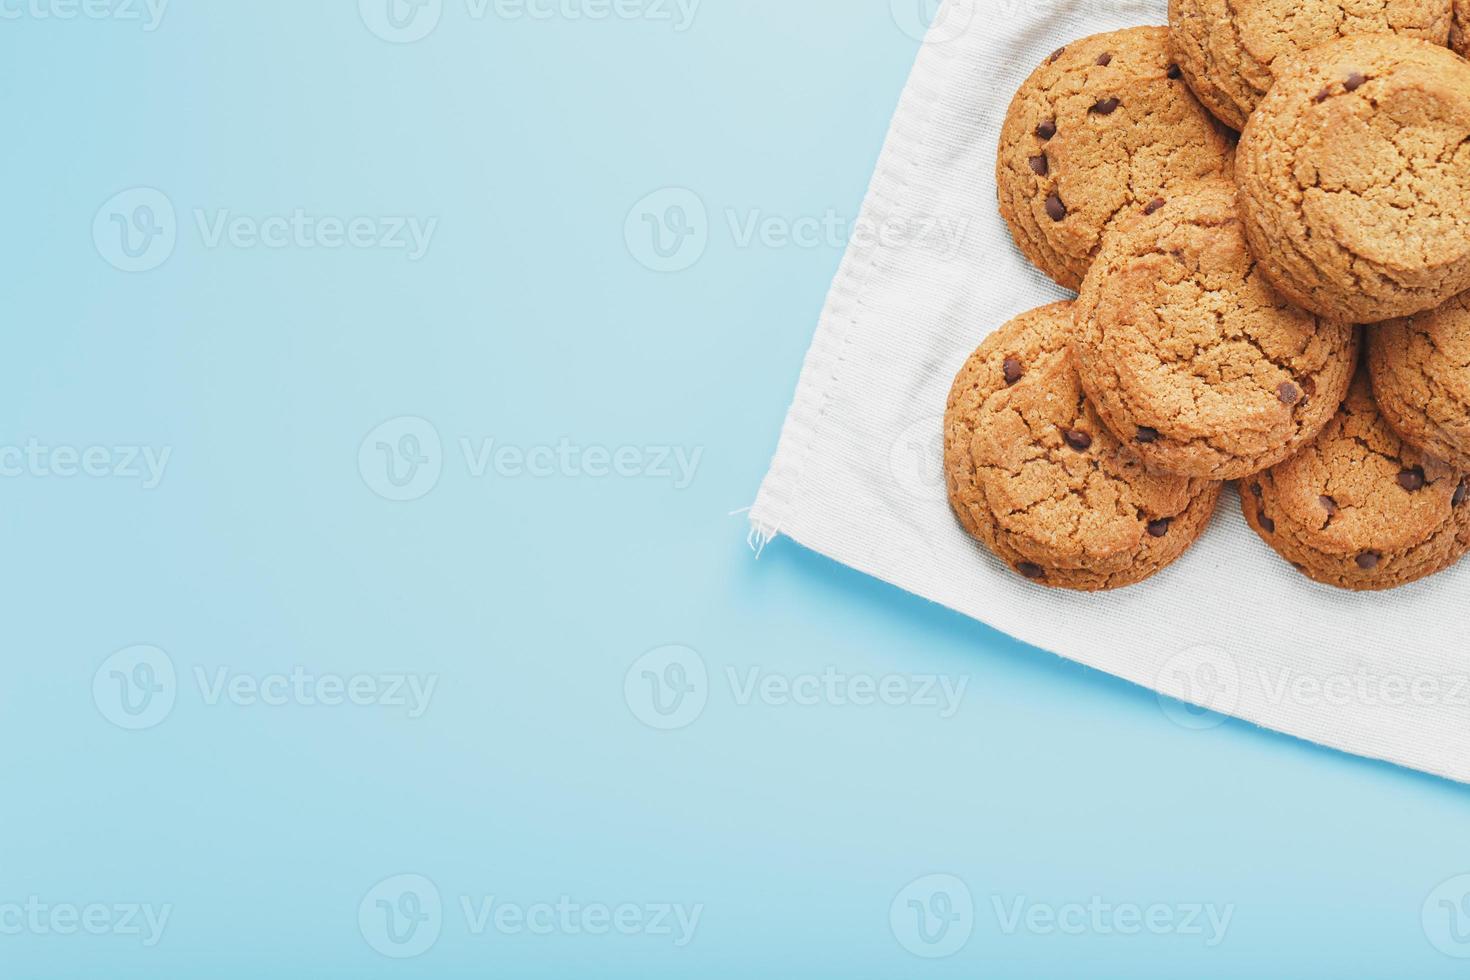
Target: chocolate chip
x=1153 y=205
x=1323 y=96
x=1256 y=490
x=1369 y=560
x=1328 y=504
x=1052 y=59
x=1412 y=479
x=1012 y=369
x=1174 y=71
x=1289 y=393
x=1104 y=59
x=1267 y=525
x=1104 y=107
x=1055 y=209
x=1039 y=165
x=1146 y=434
x=1077 y=439
x=1461 y=492
x=1047 y=129
x=1354 y=81
x=1159 y=528
x=1031 y=570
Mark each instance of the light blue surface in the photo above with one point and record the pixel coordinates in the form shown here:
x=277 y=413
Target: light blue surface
x=792 y=830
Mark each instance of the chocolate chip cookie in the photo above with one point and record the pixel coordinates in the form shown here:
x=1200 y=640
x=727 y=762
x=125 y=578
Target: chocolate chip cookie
x=1354 y=176
x=1188 y=353
x=1034 y=475
x=1231 y=50
x=1420 y=367
x=1359 y=508
x=1106 y=123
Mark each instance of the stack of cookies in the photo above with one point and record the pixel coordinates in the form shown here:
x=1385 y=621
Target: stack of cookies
x=1288 y=308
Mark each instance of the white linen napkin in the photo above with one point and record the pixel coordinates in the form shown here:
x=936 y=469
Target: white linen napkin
x=857 y=475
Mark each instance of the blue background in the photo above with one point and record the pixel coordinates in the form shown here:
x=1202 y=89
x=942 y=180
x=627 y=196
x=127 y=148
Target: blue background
x=531 y=320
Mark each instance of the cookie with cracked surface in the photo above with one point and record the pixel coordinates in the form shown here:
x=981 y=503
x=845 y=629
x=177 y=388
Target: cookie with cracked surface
x=1036 y=478
x=1420 y=367
x=1460 y=29
x=1354 y=178
x=1104 y=124
x=1190 y=355
x=1358 y=507
x=1231 y=50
